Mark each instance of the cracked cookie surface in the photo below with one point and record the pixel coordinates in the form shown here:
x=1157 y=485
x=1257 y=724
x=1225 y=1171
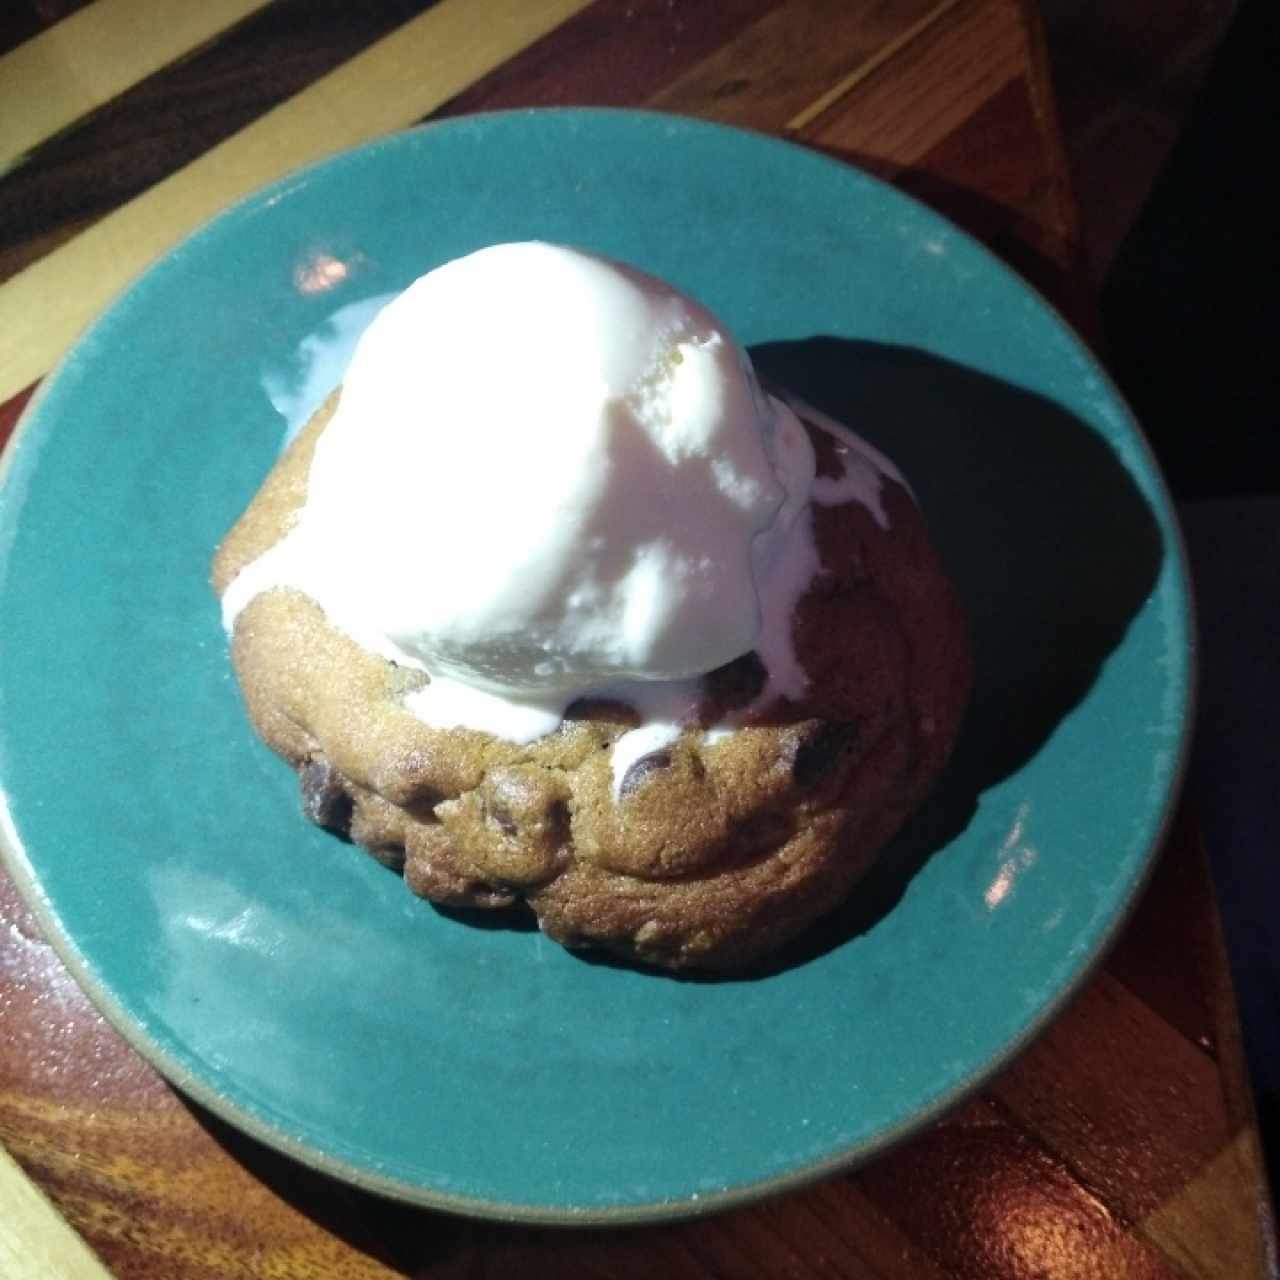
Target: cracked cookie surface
x=718 y=848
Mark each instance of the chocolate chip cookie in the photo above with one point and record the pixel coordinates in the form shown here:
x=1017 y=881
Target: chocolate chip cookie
x=711 y=850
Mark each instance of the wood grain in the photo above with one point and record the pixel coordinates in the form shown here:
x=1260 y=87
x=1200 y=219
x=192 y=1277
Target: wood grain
x=935 y=84
x=1090 y=1085
x=611 y=54
x=11 y=410
x=1121 y=1144
x=1107 y=1148
x=778 y=67
x=993 y=1203
x=77 y=65
x=1218 y=1224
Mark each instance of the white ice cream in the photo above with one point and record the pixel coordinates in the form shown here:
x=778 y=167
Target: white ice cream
x=550 y=475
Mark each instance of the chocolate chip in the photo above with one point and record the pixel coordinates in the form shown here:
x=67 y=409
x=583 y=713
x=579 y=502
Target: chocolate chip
x=521 y=798
x=818 y=748
x=641 y=770
x=324 y=801
x=506 y=823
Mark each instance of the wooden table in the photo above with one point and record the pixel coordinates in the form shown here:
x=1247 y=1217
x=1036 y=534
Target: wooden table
x=1122 y=1144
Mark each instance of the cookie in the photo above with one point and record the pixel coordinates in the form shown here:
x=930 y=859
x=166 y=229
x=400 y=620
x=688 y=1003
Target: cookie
x=709 y=851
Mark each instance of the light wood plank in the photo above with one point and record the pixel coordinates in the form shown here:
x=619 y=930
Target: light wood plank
x=1216 y=1225
x=98 y=52
x=392 y=84
x=35 y=1241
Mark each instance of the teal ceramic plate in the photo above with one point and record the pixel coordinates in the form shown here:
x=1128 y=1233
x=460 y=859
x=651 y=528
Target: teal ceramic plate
x=293 y=985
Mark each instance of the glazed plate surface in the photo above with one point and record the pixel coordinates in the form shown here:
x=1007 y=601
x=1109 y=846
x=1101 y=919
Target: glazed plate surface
x=292 y=984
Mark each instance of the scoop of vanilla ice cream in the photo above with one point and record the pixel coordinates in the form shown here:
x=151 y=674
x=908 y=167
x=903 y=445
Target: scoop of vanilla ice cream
x=549 y=474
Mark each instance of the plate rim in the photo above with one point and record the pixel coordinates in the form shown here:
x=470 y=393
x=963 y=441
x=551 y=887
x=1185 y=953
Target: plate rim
x=14 y=858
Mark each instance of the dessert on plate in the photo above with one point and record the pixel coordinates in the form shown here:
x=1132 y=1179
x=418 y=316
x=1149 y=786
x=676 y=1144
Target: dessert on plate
x=552 y=604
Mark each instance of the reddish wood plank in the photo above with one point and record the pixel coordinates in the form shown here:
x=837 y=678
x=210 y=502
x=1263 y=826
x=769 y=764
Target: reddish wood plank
x=147 y=1186
x=991 y=1204
x=788 y=59
x=842 y=1224
x=831 y=1229
x=1044 y=109
x=931 y=87
x=992 y=169
x=956 y=123
x=613 y=54
x=146 y=1179
x=11 y=411
x=1131 y=1105
x=992 y=177
x=148 y=1182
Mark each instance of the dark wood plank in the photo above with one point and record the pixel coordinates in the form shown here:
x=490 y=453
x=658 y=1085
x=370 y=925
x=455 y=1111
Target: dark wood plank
x=22 y=19
x=1125 y=77
x=1152 y=54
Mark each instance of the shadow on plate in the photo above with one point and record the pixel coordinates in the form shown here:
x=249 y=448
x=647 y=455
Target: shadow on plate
x=1052 y=544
